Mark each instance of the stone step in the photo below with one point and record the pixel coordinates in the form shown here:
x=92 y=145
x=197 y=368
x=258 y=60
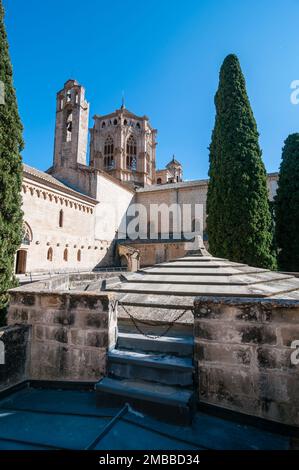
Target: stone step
x=196 y=271
x=205 y=279
x=161 y=368
x=155 y=301
x=258 y=290
x=163 y=402
x=178 y=346
x=189 y=264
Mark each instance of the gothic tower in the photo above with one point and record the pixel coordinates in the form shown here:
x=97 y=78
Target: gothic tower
x=71 y=129
x=124 y=145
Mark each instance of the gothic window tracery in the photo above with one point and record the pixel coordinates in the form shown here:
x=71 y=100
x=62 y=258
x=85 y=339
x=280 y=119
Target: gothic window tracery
x=109 y=153
x=27 y=234
x=131 y=153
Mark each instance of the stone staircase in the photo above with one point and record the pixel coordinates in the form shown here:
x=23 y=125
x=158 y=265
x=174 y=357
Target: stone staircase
x=154 y=375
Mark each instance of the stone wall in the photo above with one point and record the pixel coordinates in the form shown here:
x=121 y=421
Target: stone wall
x=158 y=252
x=71 y=332
x=42 y=204
x=243 y=356
x=15 y=340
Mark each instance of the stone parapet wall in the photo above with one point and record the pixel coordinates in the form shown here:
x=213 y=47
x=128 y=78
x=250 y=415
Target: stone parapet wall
x=70 y=281
x=243 y=356
x=14 y=345
x=71 y=332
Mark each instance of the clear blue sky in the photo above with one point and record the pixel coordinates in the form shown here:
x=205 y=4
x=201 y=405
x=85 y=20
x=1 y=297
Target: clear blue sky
x=166 y=55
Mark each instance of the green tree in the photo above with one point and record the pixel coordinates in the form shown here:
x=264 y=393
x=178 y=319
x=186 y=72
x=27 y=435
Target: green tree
x=11 y=143
x=239 y=219
x=287 y=206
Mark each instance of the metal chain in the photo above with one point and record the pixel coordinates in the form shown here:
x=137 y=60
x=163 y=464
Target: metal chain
x=135 y=320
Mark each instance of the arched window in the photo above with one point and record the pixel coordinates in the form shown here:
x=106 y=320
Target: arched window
x=65 y=255
x=61 y=218
x=109 y=153
x=79 y=255
x=159 y=181
x=131 y=153
x=27 y=234
x=69 y=125
x=50 y=254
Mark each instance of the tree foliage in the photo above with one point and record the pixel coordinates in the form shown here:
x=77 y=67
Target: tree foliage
x=287 y=206
x=11 y=144
x=239 y=220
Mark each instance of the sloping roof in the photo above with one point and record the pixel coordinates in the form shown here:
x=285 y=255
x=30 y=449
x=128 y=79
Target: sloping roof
x=166 y=186
x=198 y=275
x=44 y=177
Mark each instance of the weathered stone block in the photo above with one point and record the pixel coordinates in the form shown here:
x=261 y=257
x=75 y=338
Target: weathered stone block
x=221 y=332
x=89 y=302
x=226 y=382
x=18 y=315
x=289 y=334
x=15 y=339
x=258 y=334
x=97 y=339
x=64 y=318
x=235 y=332
x=223 y=353
x=38 y=332
x=53 y=301
x=22 y=298
x=59 y=334
x=77 y=337
x=274 y=358
x=97 y=320
x=274 y=386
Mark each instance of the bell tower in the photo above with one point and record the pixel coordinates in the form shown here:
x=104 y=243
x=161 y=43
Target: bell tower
x=124 y=145
x=71 y=129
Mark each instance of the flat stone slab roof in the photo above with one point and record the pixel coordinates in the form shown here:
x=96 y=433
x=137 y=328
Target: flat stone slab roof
x=195 y=275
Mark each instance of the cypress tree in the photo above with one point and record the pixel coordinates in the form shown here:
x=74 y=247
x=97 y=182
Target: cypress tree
x=287 y=206
x=239 y=220
x=11 y=144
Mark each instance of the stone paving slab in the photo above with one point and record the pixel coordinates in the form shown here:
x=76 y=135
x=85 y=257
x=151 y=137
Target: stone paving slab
x=211 y=271
x=241 y=279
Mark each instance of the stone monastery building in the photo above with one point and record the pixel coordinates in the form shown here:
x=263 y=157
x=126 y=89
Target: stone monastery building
x=75 y=212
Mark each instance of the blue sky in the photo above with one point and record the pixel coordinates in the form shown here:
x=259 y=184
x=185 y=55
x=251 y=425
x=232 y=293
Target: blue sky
x=165 y=55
